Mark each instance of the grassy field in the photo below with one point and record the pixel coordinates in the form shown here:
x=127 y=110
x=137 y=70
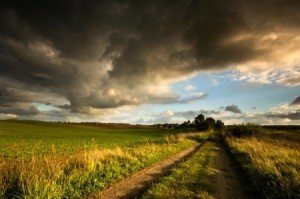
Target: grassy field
x=191 y=179
x=51 y=160
x=62 y=160
x=35 y=137
x=270 y=159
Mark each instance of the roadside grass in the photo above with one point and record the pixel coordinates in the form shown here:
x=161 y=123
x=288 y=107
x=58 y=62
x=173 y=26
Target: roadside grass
x=79 y=173
x=191 y=179
x=270 y=163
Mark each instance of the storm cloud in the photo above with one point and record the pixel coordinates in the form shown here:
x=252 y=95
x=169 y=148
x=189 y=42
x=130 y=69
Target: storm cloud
x=233 y=109
x=291 y=116
x=84 y=55
x=296 y=101
x=19 y=109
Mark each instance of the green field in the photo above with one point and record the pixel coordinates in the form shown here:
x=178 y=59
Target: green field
x=69 y=160
x=63 y=160
x=39 y=137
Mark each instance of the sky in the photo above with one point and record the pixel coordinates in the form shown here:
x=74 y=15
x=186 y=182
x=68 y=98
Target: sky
x=146 y=62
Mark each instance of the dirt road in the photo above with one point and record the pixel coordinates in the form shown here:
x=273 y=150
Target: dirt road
x=133 y=186
x=226 y=181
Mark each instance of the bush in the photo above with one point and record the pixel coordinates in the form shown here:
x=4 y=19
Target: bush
x=243 y=130
x=219 y=125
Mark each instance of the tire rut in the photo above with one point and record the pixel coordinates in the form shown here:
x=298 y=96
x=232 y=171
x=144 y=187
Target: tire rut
x=226 y=180
x=138 y=183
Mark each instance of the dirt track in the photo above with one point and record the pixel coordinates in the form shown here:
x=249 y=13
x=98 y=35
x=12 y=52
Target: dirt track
x=226 y=181
x=140 y=181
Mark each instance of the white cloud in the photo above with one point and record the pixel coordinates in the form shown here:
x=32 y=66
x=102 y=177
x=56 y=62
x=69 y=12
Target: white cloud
x=289 y=76
x=283 y=114
x=7 y=116
x=168 y=113
x=214 y=82
x=190 y=87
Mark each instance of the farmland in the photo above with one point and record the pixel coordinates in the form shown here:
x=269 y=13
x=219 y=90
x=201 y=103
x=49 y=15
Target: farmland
x=69 y=160
x=48 y=160
x=35 y=137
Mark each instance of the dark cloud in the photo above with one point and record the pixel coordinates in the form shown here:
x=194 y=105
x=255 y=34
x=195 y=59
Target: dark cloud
x=296 y=101
x=111 y=53
x=233 y=108
x=291 y=116
x=193 y=98
x=19 y=109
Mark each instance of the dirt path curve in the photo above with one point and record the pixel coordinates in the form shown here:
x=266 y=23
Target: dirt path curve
x=226 y=181
x=140 y=181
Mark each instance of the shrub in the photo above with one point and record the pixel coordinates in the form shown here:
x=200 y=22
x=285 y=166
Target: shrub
x=243 y=130
x=219 y=125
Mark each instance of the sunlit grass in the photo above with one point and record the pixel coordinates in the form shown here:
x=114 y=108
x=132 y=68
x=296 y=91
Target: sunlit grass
x=272 y=165
x=191 y=179
x=75 y=174
x=51 y=160
x=58 y=176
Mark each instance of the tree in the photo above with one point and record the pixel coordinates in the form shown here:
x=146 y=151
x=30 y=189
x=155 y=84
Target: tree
x=199 y=119
x=210 y=123
x=203 y=124
x=184 y=124
x=200 y=123
x=219 y=125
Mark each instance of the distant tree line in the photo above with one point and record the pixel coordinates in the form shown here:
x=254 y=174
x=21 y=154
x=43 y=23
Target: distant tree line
x=200 y=123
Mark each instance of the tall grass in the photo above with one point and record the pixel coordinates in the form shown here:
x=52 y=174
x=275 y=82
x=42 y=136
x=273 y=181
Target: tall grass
x=273 y=167
x=77 y=174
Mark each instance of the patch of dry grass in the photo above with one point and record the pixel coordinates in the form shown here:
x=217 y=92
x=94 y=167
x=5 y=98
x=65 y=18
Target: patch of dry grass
x=273 y=166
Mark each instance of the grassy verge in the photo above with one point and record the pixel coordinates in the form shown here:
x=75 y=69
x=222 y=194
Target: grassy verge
x=189 y=180
x=271 y=165
x=73 y=175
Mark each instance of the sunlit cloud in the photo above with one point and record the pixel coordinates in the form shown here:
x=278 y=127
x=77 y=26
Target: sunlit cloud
x=92 y=61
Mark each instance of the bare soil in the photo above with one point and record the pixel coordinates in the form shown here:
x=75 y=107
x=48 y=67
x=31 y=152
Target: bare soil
x=226 y=180
x=133 y=186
